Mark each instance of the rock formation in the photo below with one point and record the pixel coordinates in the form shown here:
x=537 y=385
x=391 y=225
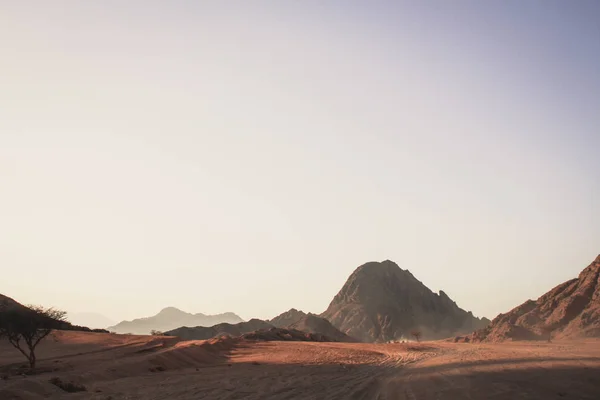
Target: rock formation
x=309 y=323
x=382 y=302
x=570 y=310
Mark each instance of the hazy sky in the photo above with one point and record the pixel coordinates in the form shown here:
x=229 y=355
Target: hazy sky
x=247 y=156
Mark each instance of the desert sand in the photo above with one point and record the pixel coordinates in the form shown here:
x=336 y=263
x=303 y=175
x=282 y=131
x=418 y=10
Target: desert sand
x=145 y=367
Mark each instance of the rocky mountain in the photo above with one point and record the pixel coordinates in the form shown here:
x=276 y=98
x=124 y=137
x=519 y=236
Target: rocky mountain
x=381 y=302
x=309 y=323
x=203 y=333
x=571 y=309
x=171 y=318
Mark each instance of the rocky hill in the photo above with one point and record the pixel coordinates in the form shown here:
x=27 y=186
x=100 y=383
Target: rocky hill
x=309 y=323
x=571 y=309
x=381 y=302
x=6 y=303
x=287 y=318
x=171 y=318
x=203 y=333
x=293 y=321
x=10 y=306
x=285 y=334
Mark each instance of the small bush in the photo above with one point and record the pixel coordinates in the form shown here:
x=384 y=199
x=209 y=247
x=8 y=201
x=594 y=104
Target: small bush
x=68 y=387
x=417 y=335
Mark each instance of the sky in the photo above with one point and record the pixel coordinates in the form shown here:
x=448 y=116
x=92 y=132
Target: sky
x=247 y=156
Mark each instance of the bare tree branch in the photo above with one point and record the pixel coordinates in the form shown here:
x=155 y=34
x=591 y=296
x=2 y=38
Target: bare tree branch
x=16 y=344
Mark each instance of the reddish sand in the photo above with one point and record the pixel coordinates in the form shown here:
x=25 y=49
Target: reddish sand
x=144 y=367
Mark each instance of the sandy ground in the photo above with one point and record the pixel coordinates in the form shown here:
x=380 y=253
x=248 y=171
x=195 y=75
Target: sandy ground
x=143 y=367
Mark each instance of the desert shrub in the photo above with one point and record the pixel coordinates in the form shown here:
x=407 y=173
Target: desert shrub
x=154 y=332
x=65 y=326
x=417 y=335
x=547 y=333
x=69 y=387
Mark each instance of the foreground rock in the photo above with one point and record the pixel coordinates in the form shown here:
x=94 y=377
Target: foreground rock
x=171 y=318
x=570 y=310
x=382 y=302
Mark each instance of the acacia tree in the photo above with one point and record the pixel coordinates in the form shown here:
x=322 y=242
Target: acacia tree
x=26 y=328
x=547 y=333
x=417 y=335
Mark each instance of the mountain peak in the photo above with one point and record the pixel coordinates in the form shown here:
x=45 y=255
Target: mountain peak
x=379 y=266
x=287 y=318
x=171 y=311
x=382 y=269
x=380 y=301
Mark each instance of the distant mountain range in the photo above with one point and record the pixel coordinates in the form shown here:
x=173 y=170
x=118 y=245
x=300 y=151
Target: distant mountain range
x=292 y=320
x=203 y=333
x=170 y=318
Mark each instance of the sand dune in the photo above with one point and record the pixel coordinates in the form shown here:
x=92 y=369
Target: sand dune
x=145 y=367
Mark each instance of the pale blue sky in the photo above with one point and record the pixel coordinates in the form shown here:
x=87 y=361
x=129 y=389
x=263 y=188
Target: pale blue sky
x=247 y=156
